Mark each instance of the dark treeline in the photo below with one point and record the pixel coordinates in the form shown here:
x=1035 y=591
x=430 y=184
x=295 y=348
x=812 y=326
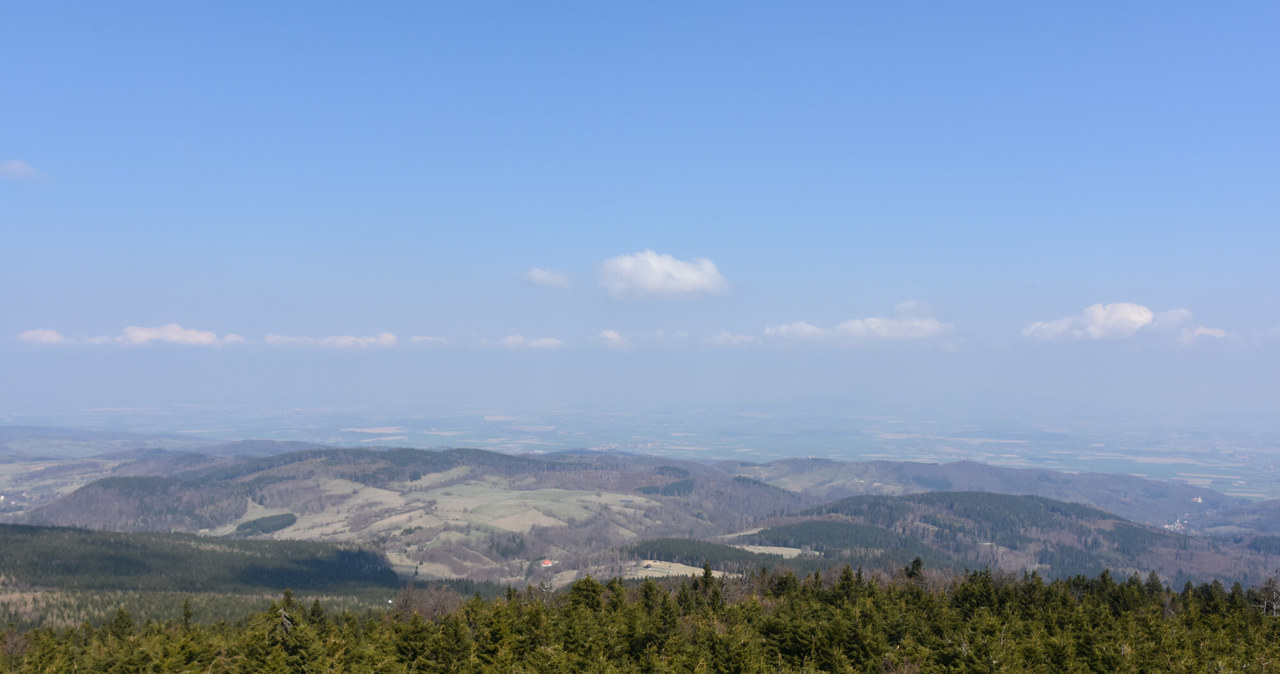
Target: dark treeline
x=79 y=559
x=915 y=621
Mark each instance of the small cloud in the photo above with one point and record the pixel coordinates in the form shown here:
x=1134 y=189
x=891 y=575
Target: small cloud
x=1191 y=335
x=1121 y=320
x=384 y=339
x=1174 y=319
x=656 y=338
x=16 y=169
x=547 y=278
x=1100 y=321
x=912 y=322
x=429 y=341
x=650 y=274
x=1182 y=323
x=522 y=342
x=613 y=339
x=171 y=334
x=799 y=329
x=137 y=336
x=41 y=337
x=892 y=328
x=730 y=339
x=1052 y=329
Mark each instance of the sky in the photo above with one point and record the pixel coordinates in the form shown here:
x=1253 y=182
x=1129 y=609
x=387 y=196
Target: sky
x=977 y=208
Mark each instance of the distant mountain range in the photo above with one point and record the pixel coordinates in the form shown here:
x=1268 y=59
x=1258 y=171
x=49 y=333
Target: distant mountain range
x=35 y=443
x=488 y=516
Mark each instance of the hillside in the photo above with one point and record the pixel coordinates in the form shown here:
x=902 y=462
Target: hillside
x=77 y=559
x=967 y=530
x=484 y=515
x=1134 y=498
x=54 y=576
x=1016 y=533
x=1255 y=518
x=451 y=513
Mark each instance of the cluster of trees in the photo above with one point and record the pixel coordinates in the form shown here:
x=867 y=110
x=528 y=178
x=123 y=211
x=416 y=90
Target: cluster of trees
x=762 y=621
x=82 y=560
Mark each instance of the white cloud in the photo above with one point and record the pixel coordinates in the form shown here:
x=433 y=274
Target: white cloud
x=430 y=341
x=892 y=328
x=649 y=274
x=657 y=338
x=731 y=339
x=1183 y=324
x=798 y=329
x=1190 y=334
x=613 y=339
x=383 y=339
x=137 y=336
x=42 y=337
x=547 y=278
x=1100 y=321
x=522 y=342
x=1052 y=329
x=1174 y=319
x=1121 y=320
x=171 y=334
x=912 y=322
x=16 y=169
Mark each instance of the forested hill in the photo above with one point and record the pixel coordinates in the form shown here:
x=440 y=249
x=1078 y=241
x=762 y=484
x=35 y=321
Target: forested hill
x=917 y=621
x=1011 y=532
x=1134 y=498
x=966 y=530
x=57 y=576
x=76 y=559
x=484 y=515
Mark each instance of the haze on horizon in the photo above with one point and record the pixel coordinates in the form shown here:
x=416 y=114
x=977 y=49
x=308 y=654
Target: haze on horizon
x=998 y=209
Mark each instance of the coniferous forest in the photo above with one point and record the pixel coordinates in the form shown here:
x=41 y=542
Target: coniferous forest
x=915 y=620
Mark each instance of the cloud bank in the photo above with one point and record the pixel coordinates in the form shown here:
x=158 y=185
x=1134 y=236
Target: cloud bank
x=650 y=275
x=171 y=334
x=911 y=322
x=41 y=337
x=383 y=339
x=522 y=342
x=137 y=336
x=1121 y=320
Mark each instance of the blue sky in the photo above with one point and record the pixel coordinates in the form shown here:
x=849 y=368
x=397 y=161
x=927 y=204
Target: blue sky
x=986 y=208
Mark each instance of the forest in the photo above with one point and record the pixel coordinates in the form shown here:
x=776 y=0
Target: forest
x=913 y=620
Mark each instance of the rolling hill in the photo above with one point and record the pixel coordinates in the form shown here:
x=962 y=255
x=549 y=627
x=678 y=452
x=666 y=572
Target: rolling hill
x=484 y=515
x=969 y=530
